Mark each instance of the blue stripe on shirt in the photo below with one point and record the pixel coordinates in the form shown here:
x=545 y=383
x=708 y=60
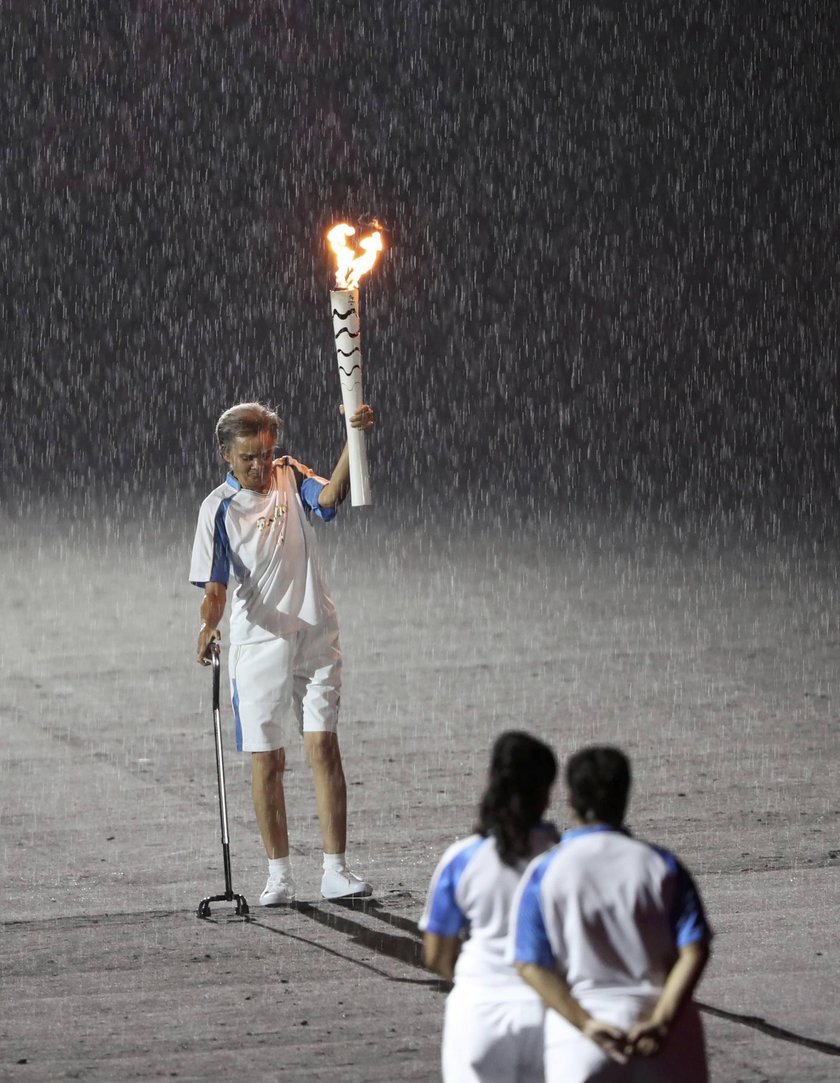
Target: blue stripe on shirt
x=591 y=829
x=530 y=938
x=446 y=918
x=220 y=570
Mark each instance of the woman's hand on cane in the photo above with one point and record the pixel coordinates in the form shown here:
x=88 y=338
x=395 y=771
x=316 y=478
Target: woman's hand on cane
x=208 y=640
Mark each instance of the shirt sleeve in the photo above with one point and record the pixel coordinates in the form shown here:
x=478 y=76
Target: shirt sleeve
x=528 y=938
x=309 y=487
x=211 y=549
x=443 y=915
x=310 y=490
x=688 y=919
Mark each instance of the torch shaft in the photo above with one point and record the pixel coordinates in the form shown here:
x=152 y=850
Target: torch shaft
x=345 y=313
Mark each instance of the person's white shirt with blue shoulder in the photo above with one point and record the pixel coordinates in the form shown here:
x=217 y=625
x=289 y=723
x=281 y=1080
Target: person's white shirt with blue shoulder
x=266 y=543
x=607 y=911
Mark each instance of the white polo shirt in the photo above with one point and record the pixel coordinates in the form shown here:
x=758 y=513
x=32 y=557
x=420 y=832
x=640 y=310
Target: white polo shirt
x=606 y=911
x=471 y=891
x=265 y=542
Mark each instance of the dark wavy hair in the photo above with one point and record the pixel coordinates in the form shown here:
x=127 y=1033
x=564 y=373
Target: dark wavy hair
x=598 y=779
x=522 y=771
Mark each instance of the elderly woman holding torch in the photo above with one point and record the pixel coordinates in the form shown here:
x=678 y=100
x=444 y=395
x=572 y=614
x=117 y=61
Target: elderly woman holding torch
x=285 y=659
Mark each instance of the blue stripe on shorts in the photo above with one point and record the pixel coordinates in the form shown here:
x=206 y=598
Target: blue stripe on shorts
x=235 y=699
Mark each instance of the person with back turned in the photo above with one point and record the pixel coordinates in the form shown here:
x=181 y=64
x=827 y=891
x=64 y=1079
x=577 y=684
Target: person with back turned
x=610 y=931
x=285 y=658
x=493 y=1024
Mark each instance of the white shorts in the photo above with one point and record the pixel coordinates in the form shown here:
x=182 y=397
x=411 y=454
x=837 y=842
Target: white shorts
x=570 y=1057
x=293 y=679
x=492 y=1039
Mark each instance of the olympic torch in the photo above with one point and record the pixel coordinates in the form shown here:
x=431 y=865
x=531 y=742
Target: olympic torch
x=344 y=301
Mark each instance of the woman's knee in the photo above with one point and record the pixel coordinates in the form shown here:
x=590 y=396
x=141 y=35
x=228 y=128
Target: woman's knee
x=269 y=765
x=322 y=749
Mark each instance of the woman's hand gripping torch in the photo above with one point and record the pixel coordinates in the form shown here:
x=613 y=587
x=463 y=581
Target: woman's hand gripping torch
x=344 y=301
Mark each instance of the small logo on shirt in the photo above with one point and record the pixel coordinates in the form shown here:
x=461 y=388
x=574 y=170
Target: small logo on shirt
x=277 y=520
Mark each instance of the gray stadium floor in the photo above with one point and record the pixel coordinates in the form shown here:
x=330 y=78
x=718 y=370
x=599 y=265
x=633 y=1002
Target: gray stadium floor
x=715 y=668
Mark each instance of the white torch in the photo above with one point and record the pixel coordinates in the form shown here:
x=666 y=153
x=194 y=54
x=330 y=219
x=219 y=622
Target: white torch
x=344 y=301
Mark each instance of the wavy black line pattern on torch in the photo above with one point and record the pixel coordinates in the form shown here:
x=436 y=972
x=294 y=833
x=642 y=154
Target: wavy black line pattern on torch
x=344 y=304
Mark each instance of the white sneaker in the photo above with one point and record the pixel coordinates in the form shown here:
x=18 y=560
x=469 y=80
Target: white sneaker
x=344 y=884
x=278 y=892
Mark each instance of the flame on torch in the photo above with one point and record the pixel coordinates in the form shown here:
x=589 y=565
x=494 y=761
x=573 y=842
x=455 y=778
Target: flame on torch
x=350 y=265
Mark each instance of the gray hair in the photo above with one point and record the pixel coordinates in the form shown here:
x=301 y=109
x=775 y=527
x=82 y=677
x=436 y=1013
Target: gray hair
x=246 y=419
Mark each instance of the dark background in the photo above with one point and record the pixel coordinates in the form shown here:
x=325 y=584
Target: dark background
x=611 y=276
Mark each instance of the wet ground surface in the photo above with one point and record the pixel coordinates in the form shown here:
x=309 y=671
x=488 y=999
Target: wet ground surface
x=714 y=666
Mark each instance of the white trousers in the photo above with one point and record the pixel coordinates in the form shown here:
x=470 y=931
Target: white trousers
x=489 y=1038
x=570 y=1057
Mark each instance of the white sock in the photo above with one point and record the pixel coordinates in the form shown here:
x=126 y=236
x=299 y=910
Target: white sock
x=334 y=863
x=280 y=868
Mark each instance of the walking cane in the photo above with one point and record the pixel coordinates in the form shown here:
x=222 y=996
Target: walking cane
x=229 y=896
